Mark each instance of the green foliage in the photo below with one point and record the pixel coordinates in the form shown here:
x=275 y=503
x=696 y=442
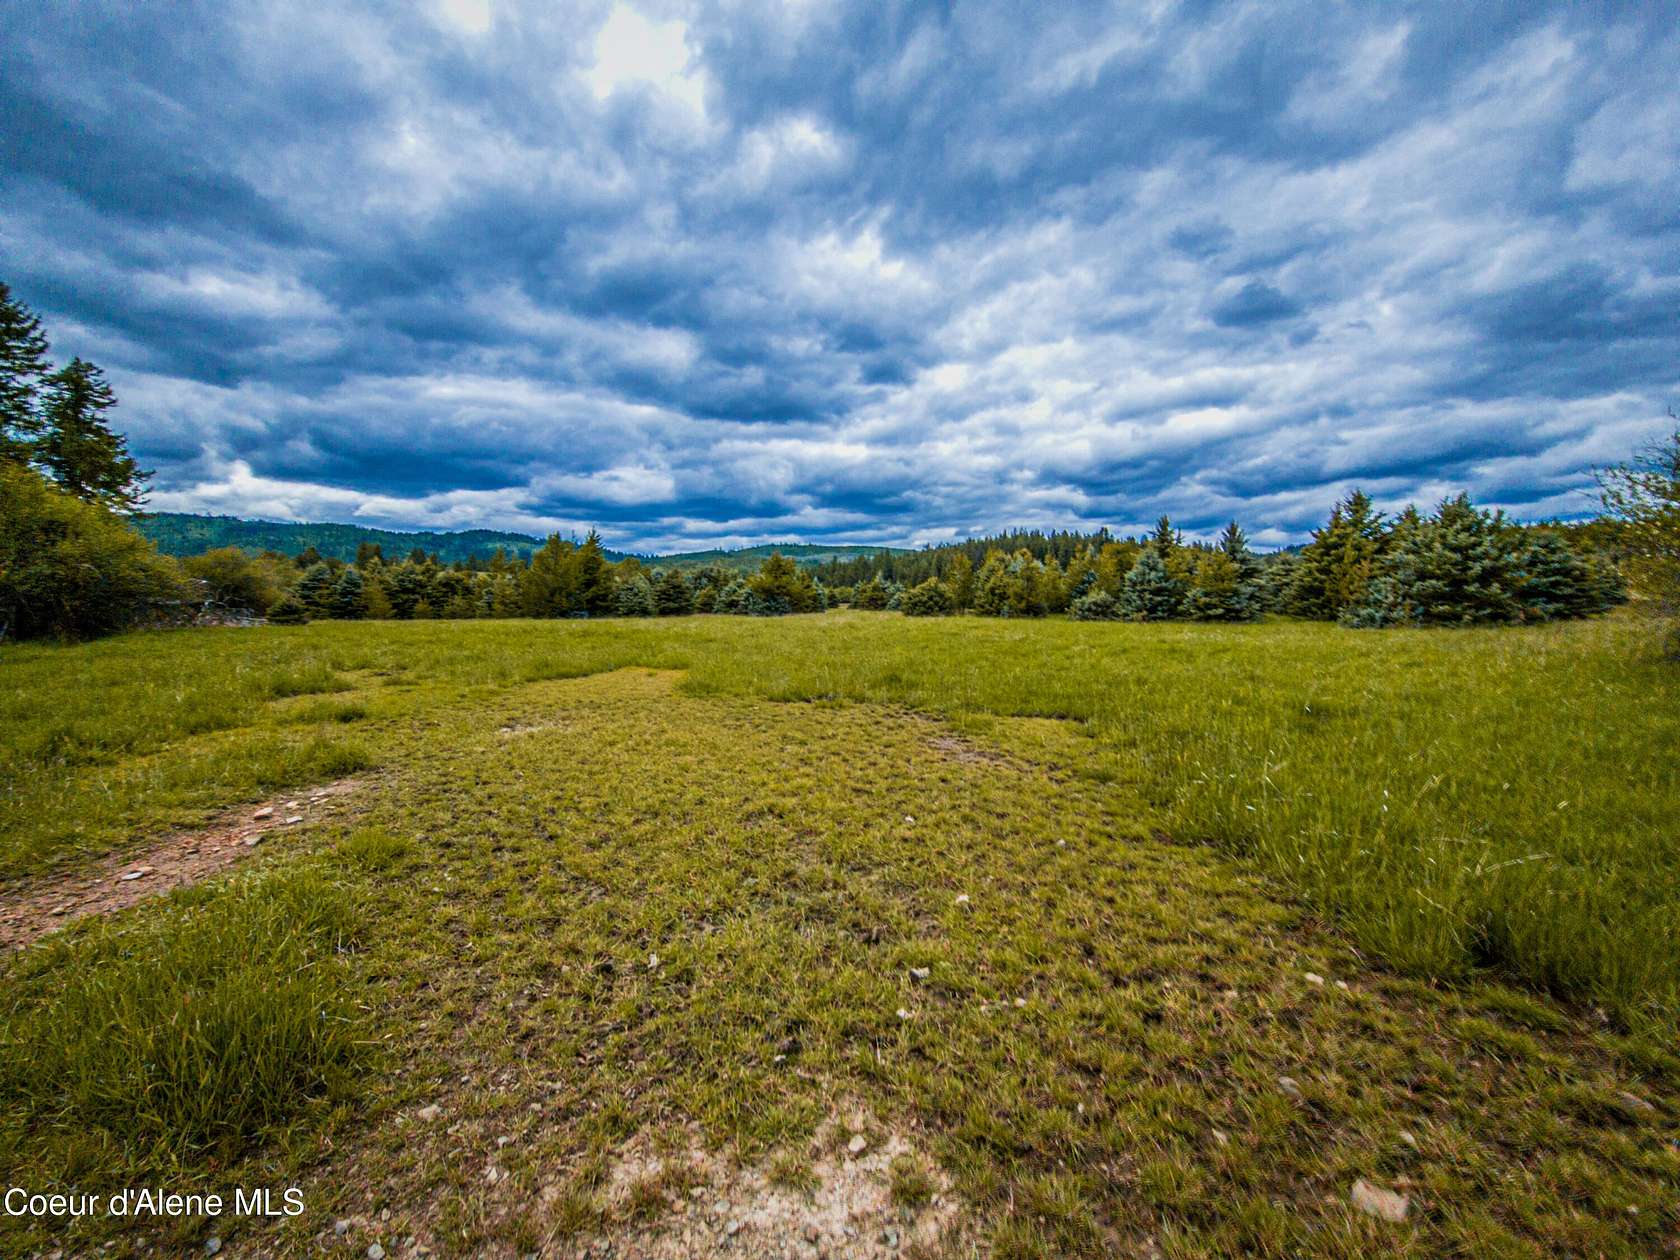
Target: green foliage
x=78 y=448
x=1644 y=496
x=929 y=599
x=197 y=1027
x=780 y=586
x=69 y=569
x=871 y=596
x=1459 y=567
x=233 y=579
x=1096 y=605
x=288 y=610
x=1218 y=590
x=1333 y=572
x=1150 y=592
x=672 y=597
x=348 y=601
x=316 y=590
x=23 y=362
x=635 y=597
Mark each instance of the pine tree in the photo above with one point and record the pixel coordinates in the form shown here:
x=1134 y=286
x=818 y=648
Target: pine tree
x=870 y=595
x=23 y=362
x=315 y=589
x=1458 y=568
x=1555 y=583
x=288 y=610
x=734 y=598
x=349 y=598
x=405 y=588
x=671 y=597
x=77 y=447
x=1217 y=591
x=1150 y=592
x=926 y=599
x=1335 y=569
x=595 y=589
x=635 y=597
x=1095 y=605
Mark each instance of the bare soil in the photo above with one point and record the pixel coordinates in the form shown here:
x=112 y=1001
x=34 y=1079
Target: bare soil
x=33 y=908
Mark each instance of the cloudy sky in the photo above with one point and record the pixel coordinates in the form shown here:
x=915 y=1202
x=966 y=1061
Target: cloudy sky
x=720 y=273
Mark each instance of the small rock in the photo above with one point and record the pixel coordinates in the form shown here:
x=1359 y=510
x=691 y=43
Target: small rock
x=431 y=1111
x=1020 y=1002
x=1314 y=978
x=1342 y=985
x=341 y=1227
x=502 y=1141
x=1375 y=1201
x=909 y=818
x=375 y=1252
x=962 y=899
x=212 y=1245
x=903 y=1014
x=653 y=961
x=267 y=811
x=295 y=818
x=920 y=973
x=1633 y=1101
x=139 y=874
x=1290 y=1086
x=252 y=842
x=858 y=1144
x=1408 y=1139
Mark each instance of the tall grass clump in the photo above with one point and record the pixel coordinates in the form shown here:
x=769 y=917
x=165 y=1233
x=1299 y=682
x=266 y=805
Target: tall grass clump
x=192 y=1028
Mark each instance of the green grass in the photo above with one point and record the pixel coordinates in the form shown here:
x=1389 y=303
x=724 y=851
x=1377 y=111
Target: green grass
x=1093 y=1057
x=154 y=1041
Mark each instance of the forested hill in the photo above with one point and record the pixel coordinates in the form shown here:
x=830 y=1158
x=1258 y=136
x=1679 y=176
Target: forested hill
x=182 y=534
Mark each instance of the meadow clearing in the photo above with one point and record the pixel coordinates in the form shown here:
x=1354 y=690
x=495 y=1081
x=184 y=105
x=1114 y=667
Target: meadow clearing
x=1079 y=938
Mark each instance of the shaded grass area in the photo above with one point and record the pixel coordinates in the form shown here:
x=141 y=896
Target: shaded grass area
x=156 y=1041
x=605 y=906
x=1456 y=800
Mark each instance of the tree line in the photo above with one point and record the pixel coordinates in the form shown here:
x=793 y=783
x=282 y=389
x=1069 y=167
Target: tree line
x=71 y=564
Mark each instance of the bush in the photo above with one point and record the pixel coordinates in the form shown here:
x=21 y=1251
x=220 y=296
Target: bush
x=1096 y=605
x=672 y=597
x=233 y=579
x=73 y=570
x=930 y=599
x=635 y=598
x=288 y=610
x=196 y=1026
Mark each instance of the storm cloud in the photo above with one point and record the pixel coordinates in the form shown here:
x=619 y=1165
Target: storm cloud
x=712 y=274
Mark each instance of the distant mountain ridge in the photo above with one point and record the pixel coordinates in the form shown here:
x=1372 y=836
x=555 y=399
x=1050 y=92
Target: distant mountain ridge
x=187 y=534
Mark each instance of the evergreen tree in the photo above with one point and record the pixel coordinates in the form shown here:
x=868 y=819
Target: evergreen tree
x=595 y=591
x=308 y=558
x=635 y=597
x=1336 y=568
x=288 y=610
x=78 y=448
x=315 y=589
x=369 y=554
x=870 y=595
x=1458 y=568
x=1277 y=578
x=23 y=362
x=671 y=597
x=1555 y=583
x=959 y=580
x=734 y=598
x=1151 y=593
x=1095 y=605
x=927 y=599
x=780 y=587
x=1217 y=591
x=1234 y=543
x=349 y=598
x=405 y=588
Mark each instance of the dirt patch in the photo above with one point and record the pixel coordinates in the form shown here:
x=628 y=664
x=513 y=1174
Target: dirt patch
x=31 y=909
x=838 y=1202
x=959 y=749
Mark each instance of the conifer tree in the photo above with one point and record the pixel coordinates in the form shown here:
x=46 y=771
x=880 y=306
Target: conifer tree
x=671 y=597
x=595 y=593
x=870 y=595
x=1457 y=568
x=1095 y=605
x=959 y=580
x=1217 y=591
x=1555 y=583
x=23 y=362
x=734 y=598
x=349 y=598
x=1151 y=593
x=926 y=599
x=1334 y=570
x=315 y=589
x=405 y=588
x=635 y=597
x=78 y=448
x=288 y=610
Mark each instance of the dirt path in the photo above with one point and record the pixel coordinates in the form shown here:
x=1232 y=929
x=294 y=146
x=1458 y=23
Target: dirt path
x=32 y=908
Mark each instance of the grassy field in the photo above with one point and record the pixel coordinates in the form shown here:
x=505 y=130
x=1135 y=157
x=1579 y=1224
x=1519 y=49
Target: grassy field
x=1037 y=900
